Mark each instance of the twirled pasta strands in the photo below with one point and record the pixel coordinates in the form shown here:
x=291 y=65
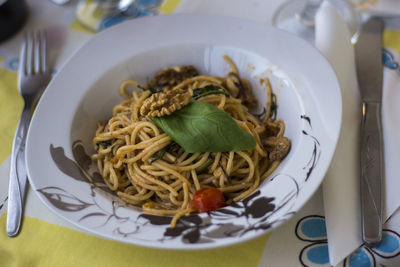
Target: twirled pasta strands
x=127 y=146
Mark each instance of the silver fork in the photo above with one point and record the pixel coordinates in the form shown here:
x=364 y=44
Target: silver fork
x=32 y=79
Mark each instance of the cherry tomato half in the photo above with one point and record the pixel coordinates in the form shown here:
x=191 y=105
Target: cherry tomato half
x=207 y=199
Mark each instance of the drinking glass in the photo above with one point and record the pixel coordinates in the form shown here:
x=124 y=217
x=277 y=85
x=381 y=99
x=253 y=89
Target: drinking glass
x=298 y=17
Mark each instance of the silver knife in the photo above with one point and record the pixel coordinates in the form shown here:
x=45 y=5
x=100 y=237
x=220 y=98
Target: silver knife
x=370 y=76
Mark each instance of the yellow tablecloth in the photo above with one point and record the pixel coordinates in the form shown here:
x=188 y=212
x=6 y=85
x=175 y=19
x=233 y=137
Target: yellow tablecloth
x=45 y=244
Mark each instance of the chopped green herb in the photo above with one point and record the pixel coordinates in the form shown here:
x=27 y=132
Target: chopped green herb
x=162 y=152
x=208 y=90
x=261 y=114
x=112 y=148
x=152 y=89
x=228 y=178
x=217 y=92
x=180 y=151
x=104 y=143
x=274 y=107
x=204 y=166
x=201 y=90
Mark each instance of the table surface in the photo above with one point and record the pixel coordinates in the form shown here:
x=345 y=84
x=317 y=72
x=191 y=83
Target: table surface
x=300 y=242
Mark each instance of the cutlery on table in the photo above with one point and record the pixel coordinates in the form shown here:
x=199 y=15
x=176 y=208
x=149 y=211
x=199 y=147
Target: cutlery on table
x=370 y=75
x=33 y=76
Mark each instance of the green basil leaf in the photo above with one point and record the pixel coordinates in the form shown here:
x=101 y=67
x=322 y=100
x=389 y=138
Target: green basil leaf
x=202 y=127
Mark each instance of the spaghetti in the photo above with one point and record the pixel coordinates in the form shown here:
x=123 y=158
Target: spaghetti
x=146 y=167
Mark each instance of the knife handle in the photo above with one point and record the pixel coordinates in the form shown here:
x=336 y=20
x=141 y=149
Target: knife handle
x=371 y=173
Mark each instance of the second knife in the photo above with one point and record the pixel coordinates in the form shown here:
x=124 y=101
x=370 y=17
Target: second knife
x=370 y=77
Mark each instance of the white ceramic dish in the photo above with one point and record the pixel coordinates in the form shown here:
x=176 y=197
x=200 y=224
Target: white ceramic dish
x=86 y=88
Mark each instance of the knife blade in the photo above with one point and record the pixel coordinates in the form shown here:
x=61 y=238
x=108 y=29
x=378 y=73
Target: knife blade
x=370 y=76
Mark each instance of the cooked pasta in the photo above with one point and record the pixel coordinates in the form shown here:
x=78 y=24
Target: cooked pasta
x=144 y=165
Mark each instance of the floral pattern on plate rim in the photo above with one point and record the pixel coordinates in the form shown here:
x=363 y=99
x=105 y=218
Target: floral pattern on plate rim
x=257 y=210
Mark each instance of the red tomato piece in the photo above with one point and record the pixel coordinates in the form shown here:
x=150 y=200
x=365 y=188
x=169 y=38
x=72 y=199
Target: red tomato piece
x=207 y=199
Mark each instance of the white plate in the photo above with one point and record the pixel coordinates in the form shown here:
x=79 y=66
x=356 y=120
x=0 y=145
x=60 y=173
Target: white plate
x=86 y=89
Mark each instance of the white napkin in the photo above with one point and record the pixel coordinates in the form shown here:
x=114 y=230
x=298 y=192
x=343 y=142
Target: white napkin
x=341 y=184
x=391 y=127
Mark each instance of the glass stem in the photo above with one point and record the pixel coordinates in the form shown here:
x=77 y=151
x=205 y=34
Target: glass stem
x=307 y=15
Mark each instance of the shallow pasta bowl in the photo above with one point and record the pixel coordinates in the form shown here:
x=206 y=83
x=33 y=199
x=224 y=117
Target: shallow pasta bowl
x=85 y=90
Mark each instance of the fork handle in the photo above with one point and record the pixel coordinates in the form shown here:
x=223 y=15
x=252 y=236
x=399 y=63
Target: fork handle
x=18 y=175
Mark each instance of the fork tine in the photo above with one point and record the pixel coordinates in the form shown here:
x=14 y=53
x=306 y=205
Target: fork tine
x=22 y=57
x=43 y=44
x=30 y=56
x=37 y=55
